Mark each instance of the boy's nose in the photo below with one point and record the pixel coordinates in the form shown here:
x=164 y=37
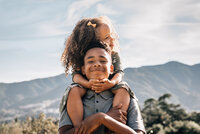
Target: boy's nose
x=97 y=64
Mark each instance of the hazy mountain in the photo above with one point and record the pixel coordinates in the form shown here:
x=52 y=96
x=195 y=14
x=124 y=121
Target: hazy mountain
x=180 y=80
x=43 y=95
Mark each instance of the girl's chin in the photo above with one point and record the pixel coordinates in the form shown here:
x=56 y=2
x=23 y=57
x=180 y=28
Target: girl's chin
x=111 y=46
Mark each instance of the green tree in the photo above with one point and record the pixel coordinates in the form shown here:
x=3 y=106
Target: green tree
x=183 y=127
x=161 y=117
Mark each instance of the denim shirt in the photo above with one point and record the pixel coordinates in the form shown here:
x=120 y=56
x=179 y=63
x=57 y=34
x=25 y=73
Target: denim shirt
x=101 y=102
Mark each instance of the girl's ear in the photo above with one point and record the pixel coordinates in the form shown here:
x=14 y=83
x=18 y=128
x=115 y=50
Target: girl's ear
x=111 y=68
x=83 y=70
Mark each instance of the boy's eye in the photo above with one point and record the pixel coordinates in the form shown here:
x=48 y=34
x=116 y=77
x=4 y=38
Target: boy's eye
x=103 y=61
x=90 y=61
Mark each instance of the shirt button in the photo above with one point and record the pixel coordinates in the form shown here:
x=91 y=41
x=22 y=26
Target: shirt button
x=97 y=110
x=97 y=101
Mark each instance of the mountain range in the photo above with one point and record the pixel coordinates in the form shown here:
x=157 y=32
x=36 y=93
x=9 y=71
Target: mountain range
x=43 y=95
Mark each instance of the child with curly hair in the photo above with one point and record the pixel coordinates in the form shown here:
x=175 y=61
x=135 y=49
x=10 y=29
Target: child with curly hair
x=86 y=31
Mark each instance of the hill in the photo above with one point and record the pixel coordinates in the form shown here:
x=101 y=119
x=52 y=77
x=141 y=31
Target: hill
x=43 y=95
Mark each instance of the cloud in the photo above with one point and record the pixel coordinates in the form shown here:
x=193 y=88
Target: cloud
x=151 y=32
x=103 y=9
x=77 y=9
x=162 y=44
x=169 y=29
x=32 y=19
x=29 y=59
x=47 y=18
x=51 y=29
x=43 y=106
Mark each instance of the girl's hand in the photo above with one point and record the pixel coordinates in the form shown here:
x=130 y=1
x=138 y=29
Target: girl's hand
x=91 y=82
x=102 y=85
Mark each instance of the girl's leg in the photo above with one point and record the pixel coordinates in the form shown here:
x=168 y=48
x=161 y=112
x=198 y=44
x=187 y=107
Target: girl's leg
x=75 y=105
x=121 y=97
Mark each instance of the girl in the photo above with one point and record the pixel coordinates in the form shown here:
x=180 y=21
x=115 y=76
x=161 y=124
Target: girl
x=85 y=31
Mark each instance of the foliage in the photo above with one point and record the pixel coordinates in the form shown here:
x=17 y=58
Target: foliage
x=160 y=117
x=40 y=125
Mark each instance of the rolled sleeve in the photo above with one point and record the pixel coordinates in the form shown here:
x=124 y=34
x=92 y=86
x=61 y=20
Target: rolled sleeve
x=64 y=119
x=134 y=117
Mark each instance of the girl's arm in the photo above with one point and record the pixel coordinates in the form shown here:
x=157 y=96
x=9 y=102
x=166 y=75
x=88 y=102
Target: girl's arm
x=117 y=68
x=78 y=78
x=117 y=78
x=118 y=71
x=96 y=85
x=106 y=84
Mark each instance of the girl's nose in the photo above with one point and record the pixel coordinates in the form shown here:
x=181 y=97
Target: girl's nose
x=111 y=37
x=114 y=36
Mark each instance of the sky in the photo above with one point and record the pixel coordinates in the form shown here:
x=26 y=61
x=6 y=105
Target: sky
x=152 y=32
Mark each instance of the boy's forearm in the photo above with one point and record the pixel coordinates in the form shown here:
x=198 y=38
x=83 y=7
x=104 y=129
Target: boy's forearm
x=66 y=130
x=94 y=121
x=116 y=126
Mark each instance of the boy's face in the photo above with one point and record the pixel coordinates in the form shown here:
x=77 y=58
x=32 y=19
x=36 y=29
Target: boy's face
x=97 y=64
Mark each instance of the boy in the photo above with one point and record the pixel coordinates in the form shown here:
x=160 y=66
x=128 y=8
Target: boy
x=97 y=114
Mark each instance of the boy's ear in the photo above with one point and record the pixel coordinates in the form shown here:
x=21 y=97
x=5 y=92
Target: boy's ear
x=83 y=70
x=111 y=68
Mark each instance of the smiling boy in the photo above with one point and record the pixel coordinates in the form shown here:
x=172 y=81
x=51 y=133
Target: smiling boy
x=98 y=112
x=97 y=64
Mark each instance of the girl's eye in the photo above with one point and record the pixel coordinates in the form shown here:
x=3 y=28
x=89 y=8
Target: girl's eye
x=107 y=38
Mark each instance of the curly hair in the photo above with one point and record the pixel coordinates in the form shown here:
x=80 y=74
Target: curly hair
x=81 y=36
x=95 y=44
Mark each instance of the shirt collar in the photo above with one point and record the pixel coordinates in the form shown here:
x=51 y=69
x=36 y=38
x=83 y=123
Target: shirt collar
x=105 y=94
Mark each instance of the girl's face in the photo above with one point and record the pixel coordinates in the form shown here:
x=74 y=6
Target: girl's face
x=105 y=35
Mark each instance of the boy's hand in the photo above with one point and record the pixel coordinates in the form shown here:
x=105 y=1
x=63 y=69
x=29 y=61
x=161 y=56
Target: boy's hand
x=118 y=114
x=102 y=85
